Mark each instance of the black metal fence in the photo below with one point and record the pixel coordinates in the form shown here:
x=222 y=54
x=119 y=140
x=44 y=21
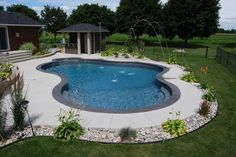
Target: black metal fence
x=226 y=59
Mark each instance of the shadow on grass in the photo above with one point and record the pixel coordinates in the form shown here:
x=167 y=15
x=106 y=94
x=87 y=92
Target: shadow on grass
x=230 y=45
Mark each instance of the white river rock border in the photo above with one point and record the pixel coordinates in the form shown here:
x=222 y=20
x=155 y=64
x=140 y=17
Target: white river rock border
x=144 y=135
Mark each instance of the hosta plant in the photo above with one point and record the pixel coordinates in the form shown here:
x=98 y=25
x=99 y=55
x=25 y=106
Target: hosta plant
x=126 y=55
x=108 y=52
x=70 y=127
x=172 y=60
x=188 y=68
x=5 y=70
x=204 y=86
x=116 y=54
x=189 y=78
x=175 y=127
x=209 y=96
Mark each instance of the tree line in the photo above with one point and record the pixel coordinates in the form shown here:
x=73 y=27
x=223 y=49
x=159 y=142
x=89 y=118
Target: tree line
x=183 y=18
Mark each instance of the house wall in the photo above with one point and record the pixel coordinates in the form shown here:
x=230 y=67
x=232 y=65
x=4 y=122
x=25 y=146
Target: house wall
x=19 y=35
x=3 y=39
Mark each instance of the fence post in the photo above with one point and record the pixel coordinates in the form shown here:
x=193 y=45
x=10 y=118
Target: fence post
x=220 y=55
x=206 y=52
x=227 y=61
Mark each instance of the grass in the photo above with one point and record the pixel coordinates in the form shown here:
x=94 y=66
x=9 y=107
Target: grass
x=217 y=139
x=48 y=38
x=220 y=39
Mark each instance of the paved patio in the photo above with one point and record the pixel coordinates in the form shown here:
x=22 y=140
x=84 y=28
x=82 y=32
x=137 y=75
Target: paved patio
x=44 y=108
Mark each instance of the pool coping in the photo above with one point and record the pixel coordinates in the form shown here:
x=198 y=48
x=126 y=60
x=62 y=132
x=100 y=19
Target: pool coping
x=57 y=90
x=44 y=108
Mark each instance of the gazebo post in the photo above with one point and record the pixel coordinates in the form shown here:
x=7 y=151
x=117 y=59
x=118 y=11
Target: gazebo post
x=78 y=43
x=94 y=43
x=89 y=40
x=64 y=43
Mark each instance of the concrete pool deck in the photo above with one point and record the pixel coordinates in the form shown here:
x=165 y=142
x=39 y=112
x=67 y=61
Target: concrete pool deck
x=43 y=108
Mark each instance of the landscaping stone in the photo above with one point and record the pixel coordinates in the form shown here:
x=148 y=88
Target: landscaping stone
x=144 y=135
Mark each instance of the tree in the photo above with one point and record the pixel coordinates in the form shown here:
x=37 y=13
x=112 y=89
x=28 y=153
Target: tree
x=54 y=19
x=191 y=18
x=169 y=22
x=24 y=10
x=185 y=12
x=1 y=8
x=207 y=20
x=94 y=14
x=131 y=13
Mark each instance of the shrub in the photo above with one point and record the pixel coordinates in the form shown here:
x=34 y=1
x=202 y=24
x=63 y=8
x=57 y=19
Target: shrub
x=189 y=78
x=137 y=54
x=204 y=108
x=108 y=52
x=27 y=46
x=69 y=127
x=40 y=51
x=209 y=96
x=140 y=56
x=124 y=53
x=5 y=70
x=17 y=98
x=3 y=115
x=175 y=127
x=204 y=86
x=172 y=60
x=127 y=134
x=130 y=46
x=116 y=54
x=141 y=45
x=188 y=68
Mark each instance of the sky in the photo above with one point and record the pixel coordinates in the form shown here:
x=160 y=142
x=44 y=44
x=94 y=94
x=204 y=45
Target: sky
x=227 y=12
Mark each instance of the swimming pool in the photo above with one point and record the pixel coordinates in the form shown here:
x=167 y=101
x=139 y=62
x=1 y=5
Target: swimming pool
x=111 y=87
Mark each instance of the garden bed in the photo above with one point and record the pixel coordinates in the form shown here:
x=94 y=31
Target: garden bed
x=144 y=135
x=6 y=83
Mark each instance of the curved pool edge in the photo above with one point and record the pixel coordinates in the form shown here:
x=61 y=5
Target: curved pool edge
x=57 y=90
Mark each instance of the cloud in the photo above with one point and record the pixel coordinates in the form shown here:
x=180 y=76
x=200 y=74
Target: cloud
x=112 y=4
x=37 y=8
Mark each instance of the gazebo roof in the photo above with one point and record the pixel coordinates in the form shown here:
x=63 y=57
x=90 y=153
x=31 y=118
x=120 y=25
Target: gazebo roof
x=82 y=27
x=17 y=19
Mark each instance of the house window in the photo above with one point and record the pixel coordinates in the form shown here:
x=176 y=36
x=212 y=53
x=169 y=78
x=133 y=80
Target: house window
x=17 y=34
x=3 y=39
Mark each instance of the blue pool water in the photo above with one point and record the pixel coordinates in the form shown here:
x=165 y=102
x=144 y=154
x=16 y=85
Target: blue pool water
x=115 y=87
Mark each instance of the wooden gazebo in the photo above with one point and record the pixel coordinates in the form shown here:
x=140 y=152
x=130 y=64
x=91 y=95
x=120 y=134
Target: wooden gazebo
x=84 y=38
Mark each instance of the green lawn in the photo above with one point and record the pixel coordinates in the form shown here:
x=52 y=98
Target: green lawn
x=217 y=139
x=219 y=39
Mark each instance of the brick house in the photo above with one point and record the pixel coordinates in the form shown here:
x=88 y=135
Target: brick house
x=16 y=29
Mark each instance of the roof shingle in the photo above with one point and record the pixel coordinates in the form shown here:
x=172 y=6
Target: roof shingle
x=83 y=27
x=12 y=18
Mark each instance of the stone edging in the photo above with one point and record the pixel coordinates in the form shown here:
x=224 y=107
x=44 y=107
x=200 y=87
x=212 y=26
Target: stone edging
x=144 y=135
